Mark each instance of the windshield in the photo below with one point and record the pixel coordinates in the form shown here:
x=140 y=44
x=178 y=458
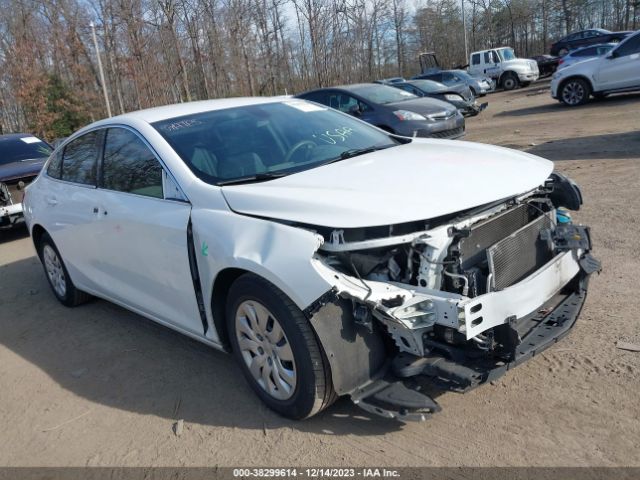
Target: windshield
x=26 y=148
x=506 y=54
x=428 y=85
x=383 y=94
x=268 y=140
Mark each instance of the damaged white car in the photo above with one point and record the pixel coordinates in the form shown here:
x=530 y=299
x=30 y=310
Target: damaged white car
x=331 y=257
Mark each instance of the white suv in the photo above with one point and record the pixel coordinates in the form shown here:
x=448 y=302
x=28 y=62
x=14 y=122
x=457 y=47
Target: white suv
x=618 y=71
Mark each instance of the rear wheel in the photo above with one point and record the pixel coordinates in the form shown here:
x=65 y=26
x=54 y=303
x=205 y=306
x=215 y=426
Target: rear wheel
x=510 y=81
x=278 y=351
x=58 y=276
x=574 y=92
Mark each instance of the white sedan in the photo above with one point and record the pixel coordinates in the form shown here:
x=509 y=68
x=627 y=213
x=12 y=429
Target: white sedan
x=331 y=257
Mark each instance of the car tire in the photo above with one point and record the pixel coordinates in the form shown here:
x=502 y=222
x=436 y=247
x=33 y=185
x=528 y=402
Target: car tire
x=277 y=349
x=563 y=51
x=58 y=276
x=510 y=81
x=574 y=92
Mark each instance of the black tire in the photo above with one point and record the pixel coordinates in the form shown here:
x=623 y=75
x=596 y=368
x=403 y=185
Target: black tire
x=313 y=390
x=510 y=81
x=574 y=92
x=71 y=296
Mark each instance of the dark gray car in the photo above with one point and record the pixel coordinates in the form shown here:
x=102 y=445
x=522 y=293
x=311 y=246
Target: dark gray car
x=479 y=87
x=393 y=110
x=458 y=95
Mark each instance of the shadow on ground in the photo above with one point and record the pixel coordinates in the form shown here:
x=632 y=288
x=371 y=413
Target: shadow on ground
x=113 y=357
x=606 y=146
x=557 y=107
x=14 y=233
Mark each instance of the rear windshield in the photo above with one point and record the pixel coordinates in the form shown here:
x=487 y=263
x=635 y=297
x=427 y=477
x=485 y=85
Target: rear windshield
x=23 y=148
x=281 y=138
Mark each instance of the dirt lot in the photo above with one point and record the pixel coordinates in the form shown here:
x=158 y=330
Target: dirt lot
x=98 y=385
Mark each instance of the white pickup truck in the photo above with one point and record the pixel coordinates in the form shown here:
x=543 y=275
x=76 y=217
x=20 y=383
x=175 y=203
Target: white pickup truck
x=502 y=65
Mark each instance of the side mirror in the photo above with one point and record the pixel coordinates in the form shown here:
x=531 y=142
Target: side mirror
x=354 y=110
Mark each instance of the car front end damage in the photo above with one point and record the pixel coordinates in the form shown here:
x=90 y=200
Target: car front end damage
x=451 y=302
x=11 y=195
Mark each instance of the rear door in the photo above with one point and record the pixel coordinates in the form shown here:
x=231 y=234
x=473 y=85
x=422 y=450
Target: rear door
x=143 y=222
x=622 y=69
x=68 y=200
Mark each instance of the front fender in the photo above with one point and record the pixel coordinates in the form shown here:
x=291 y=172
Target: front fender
x=279 y=253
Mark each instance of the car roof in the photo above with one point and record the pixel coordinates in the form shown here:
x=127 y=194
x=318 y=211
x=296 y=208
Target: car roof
x=156 y=114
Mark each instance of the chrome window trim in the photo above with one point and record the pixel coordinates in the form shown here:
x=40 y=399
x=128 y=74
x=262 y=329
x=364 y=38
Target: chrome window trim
x=137 y=134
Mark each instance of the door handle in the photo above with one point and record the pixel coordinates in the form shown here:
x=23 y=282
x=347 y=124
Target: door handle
x=52 y=201
x=95 y=209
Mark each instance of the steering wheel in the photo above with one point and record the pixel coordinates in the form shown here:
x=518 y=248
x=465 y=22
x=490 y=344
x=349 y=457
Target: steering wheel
x=297 y=147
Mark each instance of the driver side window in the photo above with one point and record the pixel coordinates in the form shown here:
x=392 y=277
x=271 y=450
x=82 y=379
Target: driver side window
x=630 y=47
x=345 y=103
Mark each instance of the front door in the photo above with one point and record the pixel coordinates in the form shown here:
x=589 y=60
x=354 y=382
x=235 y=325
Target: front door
x=622 y=68
x=143 y=234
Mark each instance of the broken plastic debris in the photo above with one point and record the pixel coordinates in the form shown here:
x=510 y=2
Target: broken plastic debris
x=178 y=427
x=632 y=347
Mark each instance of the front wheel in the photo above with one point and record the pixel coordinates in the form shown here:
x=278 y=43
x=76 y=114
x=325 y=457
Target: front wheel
x=510 y=81
x=57 y=274
x=278 y=351
x=574 y=92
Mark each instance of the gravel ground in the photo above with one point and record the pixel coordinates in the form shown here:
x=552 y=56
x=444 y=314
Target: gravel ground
x=97 y=385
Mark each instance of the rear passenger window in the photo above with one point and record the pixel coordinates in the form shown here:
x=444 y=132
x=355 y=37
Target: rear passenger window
x=475 y=59
x=54 y=170
x=129 y=166
x=79 y=159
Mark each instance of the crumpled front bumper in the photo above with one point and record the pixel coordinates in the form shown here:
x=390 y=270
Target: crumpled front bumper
x=11 y=215
x=398 y=394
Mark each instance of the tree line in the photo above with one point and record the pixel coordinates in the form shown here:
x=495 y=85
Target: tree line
x=157 y=52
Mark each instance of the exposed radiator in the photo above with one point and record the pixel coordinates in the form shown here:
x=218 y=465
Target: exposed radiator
x=520 y=254
x=482 y=235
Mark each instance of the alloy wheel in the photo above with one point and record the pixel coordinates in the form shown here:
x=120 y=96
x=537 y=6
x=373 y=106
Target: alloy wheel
x=55 y=271
x=573 y=93
x=265 y=349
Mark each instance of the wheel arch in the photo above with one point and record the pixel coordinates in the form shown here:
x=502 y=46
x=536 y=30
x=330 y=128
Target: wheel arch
x=37 y=232
x=505 y=74
x=219 y=297
x=573 y=77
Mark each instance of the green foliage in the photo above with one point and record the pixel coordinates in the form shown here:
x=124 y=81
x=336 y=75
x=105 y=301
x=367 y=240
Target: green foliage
x=66 y=113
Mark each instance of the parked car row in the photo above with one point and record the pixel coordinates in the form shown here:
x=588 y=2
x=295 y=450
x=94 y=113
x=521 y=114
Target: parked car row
x=614 y=72
x=393 y=110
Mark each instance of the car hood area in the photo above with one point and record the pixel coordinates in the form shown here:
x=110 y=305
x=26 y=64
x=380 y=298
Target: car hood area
x=423 y=106
x=420 y=180
x=24 y=168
